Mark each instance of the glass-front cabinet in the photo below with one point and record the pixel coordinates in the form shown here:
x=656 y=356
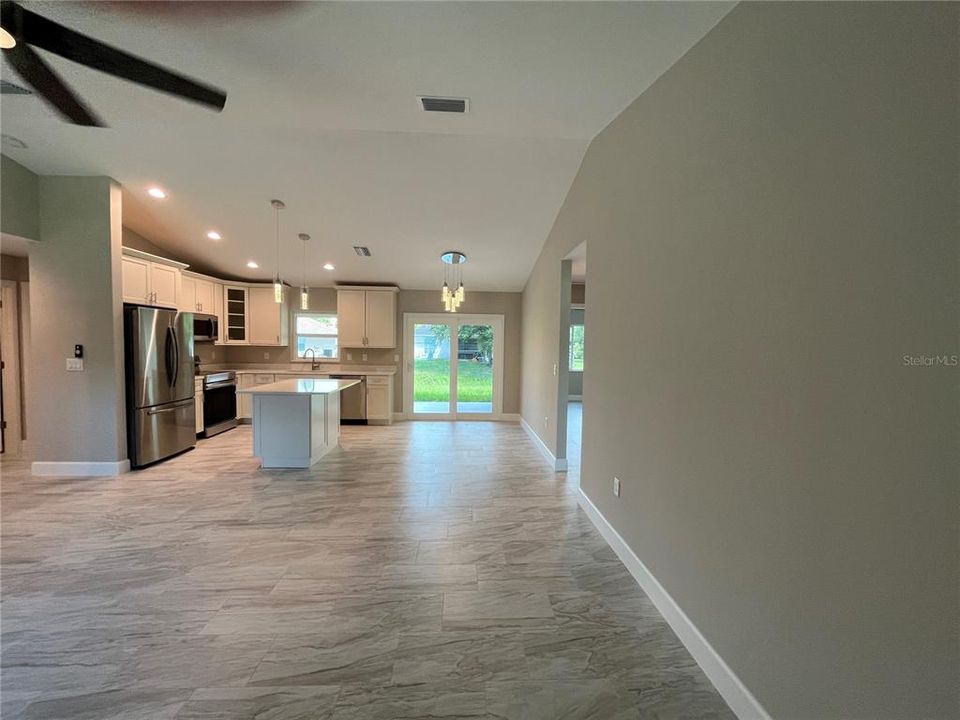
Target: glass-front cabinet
x=236 y=314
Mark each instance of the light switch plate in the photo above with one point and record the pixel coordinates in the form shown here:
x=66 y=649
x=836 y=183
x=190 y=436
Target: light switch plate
x=74 y=364
x=616 y=486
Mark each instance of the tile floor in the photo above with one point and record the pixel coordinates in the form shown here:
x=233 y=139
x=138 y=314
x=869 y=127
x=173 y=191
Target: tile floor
x=429 y=570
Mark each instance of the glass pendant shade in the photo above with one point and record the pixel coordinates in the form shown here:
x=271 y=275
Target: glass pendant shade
x=304 y=299
x=277 y=291
x=452 y=270
x=277 y=284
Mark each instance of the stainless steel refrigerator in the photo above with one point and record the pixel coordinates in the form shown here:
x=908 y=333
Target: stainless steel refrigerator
x=159 y=368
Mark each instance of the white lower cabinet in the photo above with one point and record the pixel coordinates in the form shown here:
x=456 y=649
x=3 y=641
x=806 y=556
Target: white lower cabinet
x=198 y=400
x=379 y=399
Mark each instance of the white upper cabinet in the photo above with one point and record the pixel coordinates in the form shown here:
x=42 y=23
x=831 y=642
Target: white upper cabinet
x=206 y=296
x=268 y=318
x=136 y=280
x=165 y=283
x=150 y=280
x=188 y=294
x=381 y=319
x=367 y=318
x=351 y=318
x=198 y=295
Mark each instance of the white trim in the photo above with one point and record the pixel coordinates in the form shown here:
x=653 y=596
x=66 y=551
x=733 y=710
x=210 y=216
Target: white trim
x=80 y=469
x=741 y=701
x=559 y=465
x=133 y=252
x=575 y=398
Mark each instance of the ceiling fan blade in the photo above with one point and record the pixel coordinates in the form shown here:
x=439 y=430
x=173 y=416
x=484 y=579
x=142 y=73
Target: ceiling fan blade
x=49 y=86
x=53 y=37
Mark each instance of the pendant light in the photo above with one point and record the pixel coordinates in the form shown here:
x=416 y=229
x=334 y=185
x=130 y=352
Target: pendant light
x=453 y=261
x=277 y=284
x=304 y=292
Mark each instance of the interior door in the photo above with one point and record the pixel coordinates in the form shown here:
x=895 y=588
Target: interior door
x=453 y=366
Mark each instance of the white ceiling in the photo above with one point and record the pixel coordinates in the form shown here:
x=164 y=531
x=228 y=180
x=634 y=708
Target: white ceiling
x=322 y=113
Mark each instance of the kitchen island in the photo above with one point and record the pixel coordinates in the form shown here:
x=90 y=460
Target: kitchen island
x=296 y=421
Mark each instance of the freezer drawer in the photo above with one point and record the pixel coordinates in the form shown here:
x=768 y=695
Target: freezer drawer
x=162 y=431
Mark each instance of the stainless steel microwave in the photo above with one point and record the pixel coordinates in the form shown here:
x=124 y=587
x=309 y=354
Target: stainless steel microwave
x=204 y=327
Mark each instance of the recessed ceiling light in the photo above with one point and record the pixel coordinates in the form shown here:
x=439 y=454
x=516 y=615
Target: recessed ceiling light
x=328 y=266
x=7 y=40
x=252 y=264
x=156 y=192
x=214 y=235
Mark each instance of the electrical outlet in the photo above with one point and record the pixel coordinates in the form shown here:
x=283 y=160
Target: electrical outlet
x=364 y=357
x=213 y=355
x=74 y=364
x=396 y=357
x=349 y=356
x=616 y=486
x=546 y=422
x=266 y=356
x=554 y=369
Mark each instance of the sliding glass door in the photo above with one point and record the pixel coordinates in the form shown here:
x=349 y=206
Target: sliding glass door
x=453 y=366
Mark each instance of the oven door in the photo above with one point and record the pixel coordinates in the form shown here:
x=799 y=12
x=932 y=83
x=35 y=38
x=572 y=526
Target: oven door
x=219 y=407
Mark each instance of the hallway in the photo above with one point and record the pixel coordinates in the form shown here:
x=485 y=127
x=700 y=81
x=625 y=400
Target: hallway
x=433 y=570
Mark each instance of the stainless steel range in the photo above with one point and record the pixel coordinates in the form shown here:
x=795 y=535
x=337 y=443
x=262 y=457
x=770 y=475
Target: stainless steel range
x=219 y=401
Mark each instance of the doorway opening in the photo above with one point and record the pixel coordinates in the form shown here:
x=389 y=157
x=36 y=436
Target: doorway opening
x=570 y=393
x=454 y=366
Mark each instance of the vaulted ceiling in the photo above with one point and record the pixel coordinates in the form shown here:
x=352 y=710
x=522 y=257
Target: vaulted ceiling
x=322 y=113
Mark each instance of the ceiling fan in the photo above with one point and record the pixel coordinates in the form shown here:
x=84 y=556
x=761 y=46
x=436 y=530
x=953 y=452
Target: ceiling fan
x=22 y=28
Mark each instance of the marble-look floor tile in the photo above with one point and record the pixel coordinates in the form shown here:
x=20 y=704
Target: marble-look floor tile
x=427 y=570
x=485 y=609
x=454 y=701
x=261 y=703
x=330 y=657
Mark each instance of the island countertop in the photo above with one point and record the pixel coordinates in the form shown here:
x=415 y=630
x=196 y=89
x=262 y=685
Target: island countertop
x=300 y=386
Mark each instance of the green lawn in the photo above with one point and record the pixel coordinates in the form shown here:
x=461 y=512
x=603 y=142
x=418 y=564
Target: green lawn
x=432 y=381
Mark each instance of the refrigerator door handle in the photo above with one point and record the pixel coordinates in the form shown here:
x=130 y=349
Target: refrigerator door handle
x=176 y=358
x=167 y=358
x=170 y=408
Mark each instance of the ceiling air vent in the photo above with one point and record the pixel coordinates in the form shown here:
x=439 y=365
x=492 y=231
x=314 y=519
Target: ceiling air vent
x=361 y=250
x=444 y=104
x=8 y=88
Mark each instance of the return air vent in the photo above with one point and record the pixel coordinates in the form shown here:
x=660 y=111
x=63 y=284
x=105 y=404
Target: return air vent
x=8 y=88
x=444 y=104
x=362 y=250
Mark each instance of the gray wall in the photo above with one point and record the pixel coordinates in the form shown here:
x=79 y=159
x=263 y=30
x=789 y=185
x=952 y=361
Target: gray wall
x=19 y=200
x=773 y=225
x=75 y=298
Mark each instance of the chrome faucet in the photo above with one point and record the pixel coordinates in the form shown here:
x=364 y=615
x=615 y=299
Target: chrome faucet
x=313 y=355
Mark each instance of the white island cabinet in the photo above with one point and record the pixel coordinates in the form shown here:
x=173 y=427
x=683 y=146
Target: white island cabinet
x=296 y=421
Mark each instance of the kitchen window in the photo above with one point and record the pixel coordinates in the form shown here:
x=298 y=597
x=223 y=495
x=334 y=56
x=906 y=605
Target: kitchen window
x=316 y=331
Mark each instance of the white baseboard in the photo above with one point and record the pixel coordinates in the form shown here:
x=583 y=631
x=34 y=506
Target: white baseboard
x=734 y=692
x=559 y=465
x=80 y=469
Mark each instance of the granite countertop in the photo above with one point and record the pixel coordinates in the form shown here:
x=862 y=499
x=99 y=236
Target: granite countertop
x=300 y=386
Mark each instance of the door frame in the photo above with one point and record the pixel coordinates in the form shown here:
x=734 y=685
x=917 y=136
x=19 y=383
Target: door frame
x=10 y=355
x=454 y=320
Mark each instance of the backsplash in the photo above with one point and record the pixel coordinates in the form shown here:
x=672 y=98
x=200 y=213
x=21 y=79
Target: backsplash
x=281 y=354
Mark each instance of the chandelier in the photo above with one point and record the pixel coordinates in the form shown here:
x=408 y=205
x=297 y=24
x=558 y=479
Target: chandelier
x=453 y=261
